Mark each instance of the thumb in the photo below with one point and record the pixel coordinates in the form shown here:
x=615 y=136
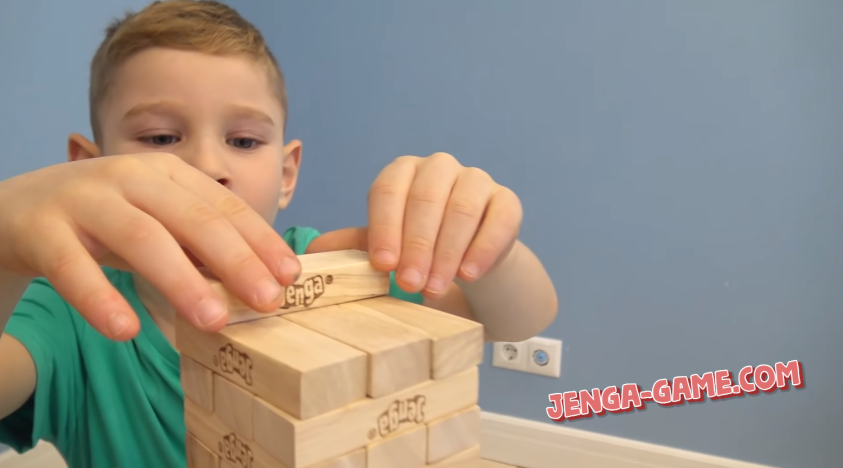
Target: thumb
x=354 y=238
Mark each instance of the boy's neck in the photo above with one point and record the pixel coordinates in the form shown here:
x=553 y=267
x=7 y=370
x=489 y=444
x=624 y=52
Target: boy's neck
x=160 y=310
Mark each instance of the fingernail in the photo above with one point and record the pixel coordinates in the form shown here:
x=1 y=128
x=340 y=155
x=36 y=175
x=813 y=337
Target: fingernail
x=384 y=257
x=412 y=277
x=117 y=324
x=209 y=311
x=289 y=266
x=267 y=291
x=470 y=270
x=436 y=284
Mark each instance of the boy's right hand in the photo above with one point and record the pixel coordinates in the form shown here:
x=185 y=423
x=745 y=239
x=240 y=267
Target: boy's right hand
x=135 y=212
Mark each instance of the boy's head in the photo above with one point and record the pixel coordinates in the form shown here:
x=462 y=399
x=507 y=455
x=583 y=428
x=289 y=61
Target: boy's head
x=195 y=79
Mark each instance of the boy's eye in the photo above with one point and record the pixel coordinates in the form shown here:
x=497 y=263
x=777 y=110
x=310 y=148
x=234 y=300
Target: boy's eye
x=161 y=139
x=243 y=143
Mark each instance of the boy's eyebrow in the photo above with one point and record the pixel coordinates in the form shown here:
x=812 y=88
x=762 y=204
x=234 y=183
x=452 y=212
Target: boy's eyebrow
x=164 y=107
x=160 y=107
x=251 y=113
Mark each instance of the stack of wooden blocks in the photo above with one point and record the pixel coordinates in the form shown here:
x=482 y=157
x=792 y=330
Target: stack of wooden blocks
x=341 y=376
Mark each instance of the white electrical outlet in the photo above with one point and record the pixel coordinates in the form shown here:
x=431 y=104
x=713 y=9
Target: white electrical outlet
x=539 y=355
x=544 y=357
x=509 y=355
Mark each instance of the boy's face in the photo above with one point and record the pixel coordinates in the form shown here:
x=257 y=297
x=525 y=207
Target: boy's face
x=218 y=114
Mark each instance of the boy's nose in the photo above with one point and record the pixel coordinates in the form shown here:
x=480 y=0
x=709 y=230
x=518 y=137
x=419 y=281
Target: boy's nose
x=209 y=160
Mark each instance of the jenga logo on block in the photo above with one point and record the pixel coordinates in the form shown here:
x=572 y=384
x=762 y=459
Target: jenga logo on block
x=305 y=293
x=233 y=361
x=401 y=412
x=236 y=451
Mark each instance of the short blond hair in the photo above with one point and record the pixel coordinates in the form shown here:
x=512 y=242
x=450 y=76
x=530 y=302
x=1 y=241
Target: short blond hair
x=195 y=25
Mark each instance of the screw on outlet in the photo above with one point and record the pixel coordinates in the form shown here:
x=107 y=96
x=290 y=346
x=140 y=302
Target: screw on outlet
x=541 y=358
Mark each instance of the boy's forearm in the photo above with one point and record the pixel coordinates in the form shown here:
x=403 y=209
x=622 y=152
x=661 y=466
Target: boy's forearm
x=514 y=301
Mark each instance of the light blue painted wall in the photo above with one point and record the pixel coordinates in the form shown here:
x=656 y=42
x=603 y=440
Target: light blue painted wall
x=662 y=151
x=45 y=51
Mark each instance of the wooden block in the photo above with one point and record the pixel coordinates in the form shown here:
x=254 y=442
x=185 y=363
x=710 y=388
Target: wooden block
x=326 y=278
x=466 y=459
x=233 y=406
x=301 y=372
x=453 y=433
x=457 y=343
x=230 y=447
x=298 y=443
x=399 y=355
x=355 y=459
x=198 y=455
x=406 y=449
x=197 y=383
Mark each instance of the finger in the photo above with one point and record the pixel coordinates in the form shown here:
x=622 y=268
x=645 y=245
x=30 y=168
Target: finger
x=462 y=217
x=211 y=237
x=498 y=231
x=77 y=277
x=151 y=251
x=252 y=228
x=355 y=238
x=426 y=203
x=387 y=200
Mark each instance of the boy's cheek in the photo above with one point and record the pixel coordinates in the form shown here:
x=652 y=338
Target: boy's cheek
x=261 y=193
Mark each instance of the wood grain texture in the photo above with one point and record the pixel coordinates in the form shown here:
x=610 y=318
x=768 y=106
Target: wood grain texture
x=289 y=366
x=405 y=449
x=233 y=405
x=197 y=382
x=457 y=343
x=230 y=447
x=355 y=459
x=326 y=278
x=399 y=355
x=198 y=455
x=453 y=434
x=299 y=443
x=469 y=458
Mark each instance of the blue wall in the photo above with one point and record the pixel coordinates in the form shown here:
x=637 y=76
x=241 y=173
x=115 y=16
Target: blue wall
x=680 y=164
x=45 y=50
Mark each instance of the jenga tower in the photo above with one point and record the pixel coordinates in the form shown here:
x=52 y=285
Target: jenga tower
x=341 y=376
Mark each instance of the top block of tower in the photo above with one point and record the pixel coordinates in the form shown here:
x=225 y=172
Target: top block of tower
x=327 y=278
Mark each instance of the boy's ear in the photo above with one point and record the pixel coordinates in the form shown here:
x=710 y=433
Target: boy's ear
x=292 y=160
x=79 y=147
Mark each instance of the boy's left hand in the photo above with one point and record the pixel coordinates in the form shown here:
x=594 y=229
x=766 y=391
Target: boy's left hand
x=431 y=220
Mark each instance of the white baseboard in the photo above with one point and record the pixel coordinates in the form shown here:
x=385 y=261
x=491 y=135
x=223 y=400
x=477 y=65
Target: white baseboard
x=531 y=444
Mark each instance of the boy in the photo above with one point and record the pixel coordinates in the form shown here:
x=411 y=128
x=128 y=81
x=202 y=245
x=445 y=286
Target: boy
x=98 y=255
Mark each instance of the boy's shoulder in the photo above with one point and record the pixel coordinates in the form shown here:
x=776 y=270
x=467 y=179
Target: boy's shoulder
x=299 y=237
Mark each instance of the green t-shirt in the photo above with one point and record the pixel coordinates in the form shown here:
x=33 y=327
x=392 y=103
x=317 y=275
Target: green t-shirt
x=106 y=404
